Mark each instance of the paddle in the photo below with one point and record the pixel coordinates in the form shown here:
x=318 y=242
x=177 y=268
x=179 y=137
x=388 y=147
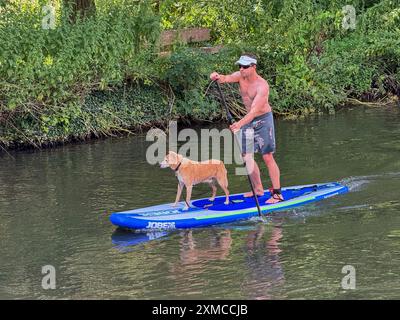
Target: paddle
x=231 y=121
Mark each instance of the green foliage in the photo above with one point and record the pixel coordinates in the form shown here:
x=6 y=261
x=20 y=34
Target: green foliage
x=45 y=74
x=101 y=112
x=54 y=66
x=187 y=72
x=67 y=82
x=308 y=57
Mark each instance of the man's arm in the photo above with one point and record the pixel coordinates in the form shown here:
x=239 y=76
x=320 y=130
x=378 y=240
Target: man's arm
x=234 y=77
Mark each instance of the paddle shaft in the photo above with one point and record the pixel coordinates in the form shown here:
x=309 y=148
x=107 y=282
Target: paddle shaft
x=231 y=120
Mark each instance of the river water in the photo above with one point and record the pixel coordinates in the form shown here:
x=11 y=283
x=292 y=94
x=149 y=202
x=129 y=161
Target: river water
x=55 y=204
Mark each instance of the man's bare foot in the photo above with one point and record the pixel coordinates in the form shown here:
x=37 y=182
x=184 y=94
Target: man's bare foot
x=250 y=194
x=275 y=198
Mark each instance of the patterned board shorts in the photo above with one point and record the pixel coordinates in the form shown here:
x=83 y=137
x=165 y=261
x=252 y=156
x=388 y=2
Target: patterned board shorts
x=261 y=136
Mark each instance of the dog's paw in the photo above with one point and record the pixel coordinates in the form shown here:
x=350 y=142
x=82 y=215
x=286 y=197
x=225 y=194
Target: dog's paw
x=211 y=199
x=185 y=208
x=226 y=202
x=175 y=204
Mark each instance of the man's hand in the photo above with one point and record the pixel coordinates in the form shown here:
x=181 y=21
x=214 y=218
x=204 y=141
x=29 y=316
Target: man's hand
x=235 y=127
x=215 y=76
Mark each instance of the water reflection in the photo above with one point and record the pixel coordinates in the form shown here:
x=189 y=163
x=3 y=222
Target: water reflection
x=125 y=240
x=265 y=272
x=217 y=249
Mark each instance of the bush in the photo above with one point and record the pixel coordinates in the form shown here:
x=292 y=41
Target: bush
x=102 y=73
x=45 y=75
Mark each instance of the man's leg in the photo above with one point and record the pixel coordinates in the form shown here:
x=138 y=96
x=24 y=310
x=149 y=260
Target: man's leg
x=274 y=174
x=254 y=173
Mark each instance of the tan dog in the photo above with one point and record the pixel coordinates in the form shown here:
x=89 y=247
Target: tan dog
x=190 y=173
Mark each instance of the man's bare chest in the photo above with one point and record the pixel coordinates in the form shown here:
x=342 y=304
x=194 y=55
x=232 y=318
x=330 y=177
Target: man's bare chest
x=248 y=91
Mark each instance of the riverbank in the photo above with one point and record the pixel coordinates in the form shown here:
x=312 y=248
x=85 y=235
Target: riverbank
x=134 y=109
x=111 y=118
x=102 y=75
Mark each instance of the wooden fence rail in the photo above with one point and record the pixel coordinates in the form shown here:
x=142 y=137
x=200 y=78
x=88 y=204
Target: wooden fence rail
x=189 y=35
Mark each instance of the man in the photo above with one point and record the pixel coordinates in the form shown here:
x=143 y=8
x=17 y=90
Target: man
x=254 y=91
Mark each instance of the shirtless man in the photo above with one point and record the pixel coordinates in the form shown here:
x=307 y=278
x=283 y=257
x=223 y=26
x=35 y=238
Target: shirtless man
x=254 y=91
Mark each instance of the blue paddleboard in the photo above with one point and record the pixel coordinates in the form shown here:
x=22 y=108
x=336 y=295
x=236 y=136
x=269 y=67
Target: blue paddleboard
x=204 y=213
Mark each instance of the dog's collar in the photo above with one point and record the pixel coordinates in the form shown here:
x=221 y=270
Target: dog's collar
x=177 y=168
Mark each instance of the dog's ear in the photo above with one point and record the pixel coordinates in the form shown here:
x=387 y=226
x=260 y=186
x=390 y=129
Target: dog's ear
x=174 y=158
x=171 y=158
x=179 y=158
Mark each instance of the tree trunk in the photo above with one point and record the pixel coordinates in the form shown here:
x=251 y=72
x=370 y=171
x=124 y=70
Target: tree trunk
x=80 y=9
x=157 y=6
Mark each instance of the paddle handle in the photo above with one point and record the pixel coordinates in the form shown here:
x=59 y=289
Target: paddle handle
x=231 y=120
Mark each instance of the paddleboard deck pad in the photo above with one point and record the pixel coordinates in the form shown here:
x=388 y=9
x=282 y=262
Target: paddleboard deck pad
x=203 y=212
